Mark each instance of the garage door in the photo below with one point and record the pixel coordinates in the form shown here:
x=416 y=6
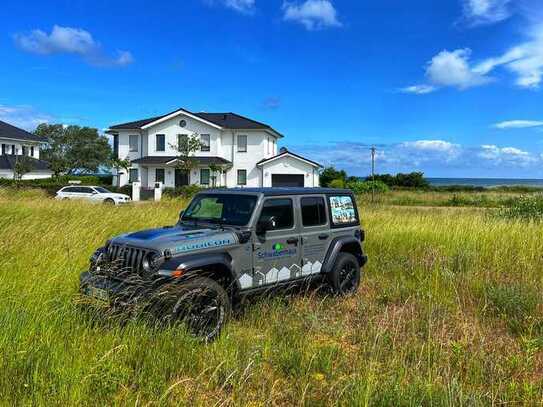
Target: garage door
x=287 y=180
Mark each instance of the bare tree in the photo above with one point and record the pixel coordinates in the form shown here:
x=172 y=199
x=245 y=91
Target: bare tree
x=185 y=148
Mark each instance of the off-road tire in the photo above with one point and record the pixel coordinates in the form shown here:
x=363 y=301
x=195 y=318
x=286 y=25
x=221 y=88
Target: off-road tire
x=200 y=302
x=344 y=278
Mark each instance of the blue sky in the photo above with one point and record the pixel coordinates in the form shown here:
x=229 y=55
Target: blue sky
x=452 y=89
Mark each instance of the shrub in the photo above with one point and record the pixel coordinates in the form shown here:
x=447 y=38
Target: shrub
x=337 y=183
x=525 y=208
x=187 y=191
x=364 y=187
x=411 y=180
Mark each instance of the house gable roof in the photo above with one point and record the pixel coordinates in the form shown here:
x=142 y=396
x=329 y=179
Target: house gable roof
x=229 y=120
x=7 y=162
x=286 y=153
x=15 y=133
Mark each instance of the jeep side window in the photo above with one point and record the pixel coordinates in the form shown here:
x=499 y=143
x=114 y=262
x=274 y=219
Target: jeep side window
x=313 y=211
x=342 y=210
x=281 y=210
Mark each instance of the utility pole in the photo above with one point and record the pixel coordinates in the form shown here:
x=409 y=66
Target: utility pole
x=373 y=173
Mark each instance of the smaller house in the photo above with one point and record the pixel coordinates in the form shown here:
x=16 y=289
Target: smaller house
x=15 y=143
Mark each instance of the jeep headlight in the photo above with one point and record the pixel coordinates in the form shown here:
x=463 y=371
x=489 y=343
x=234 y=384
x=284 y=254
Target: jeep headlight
x=98 y=257
x=151 y=262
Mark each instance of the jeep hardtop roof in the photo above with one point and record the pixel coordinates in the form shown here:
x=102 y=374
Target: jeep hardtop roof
x=279 y=191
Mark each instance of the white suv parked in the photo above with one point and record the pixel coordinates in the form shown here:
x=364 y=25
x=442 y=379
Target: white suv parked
x=93 y=194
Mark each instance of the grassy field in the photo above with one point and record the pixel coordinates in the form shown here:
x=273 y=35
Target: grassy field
x=450 y=312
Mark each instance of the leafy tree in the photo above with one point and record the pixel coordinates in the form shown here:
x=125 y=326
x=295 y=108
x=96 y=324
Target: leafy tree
x=329 y=174
x=337 y=183
x=120 y=164
x=23 y=165
x=186 y=147
x=411 y=180
x=73 y=149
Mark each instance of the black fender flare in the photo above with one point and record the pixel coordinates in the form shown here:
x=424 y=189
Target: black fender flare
x=336 y=247
x=197 y=261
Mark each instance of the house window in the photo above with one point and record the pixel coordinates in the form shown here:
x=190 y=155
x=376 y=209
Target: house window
x=159 y=175
x=31 y=151
x=242 y=177
x=160 y=142
x=182 y=141
x=204 y=176
x=133 y=143
x=13 y=149
x=205 y=142
x=133 y=175
x=3 y=149
x=24 y=150
x=242 y=144
x=116 y=145
x=313 y=212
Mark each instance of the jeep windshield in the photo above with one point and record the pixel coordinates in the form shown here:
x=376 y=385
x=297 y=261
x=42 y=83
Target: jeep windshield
x=221 y=209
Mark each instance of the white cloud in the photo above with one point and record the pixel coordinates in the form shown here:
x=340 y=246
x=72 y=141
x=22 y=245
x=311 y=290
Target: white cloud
x=507 y=156
x=68 y=40
x=479 y=12
x=451 y=68
x=518 y=124
x=431 y=145
x=312 y=14
x=241 y=6
x=24 y=117
x=430 y=156
x=524 y=60
x=419 y=89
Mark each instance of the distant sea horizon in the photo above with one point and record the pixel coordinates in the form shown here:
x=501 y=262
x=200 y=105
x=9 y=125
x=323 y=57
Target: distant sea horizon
x=485 y=182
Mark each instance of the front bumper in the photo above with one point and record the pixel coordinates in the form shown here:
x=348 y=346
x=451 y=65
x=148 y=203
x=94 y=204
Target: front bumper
x=101 y=287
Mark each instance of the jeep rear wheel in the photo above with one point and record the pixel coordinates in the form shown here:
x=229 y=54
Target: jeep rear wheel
x=201 y=303
x=345 y=276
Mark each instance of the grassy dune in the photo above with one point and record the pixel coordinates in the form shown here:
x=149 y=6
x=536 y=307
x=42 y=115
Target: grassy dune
x=450 y=312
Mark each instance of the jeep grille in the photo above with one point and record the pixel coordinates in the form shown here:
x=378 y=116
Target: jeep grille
x=127 y=258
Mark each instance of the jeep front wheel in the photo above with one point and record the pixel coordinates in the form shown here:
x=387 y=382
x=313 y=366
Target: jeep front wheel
x=345 y=276
x=201 y=303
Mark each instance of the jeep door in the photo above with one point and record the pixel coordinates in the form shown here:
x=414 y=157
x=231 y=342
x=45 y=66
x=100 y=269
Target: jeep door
x=315 y=233
x=276 y=253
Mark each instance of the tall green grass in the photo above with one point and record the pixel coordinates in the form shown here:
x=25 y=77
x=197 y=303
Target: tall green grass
x=449 y=313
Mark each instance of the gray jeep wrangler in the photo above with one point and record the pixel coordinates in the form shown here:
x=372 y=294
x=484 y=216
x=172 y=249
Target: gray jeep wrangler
x=227 y=244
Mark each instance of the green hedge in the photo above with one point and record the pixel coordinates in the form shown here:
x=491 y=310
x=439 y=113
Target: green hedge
x=187 y=191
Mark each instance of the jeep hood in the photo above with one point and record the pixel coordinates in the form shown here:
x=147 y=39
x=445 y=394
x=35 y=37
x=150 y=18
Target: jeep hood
x=178 y=239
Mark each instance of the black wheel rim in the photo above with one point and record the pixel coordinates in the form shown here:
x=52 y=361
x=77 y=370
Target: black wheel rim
x=201 y=311
x=347 y=277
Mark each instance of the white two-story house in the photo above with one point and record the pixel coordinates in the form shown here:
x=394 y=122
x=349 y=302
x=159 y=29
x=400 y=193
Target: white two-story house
x=244 y=151
x=15 y=143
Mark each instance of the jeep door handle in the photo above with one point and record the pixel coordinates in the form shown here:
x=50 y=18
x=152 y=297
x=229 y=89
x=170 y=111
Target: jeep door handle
x=294 y=240
x=323 y=237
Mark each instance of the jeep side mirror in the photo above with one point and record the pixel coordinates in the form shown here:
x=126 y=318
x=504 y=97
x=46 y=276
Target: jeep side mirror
x=181 y=215
x=264 y=225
